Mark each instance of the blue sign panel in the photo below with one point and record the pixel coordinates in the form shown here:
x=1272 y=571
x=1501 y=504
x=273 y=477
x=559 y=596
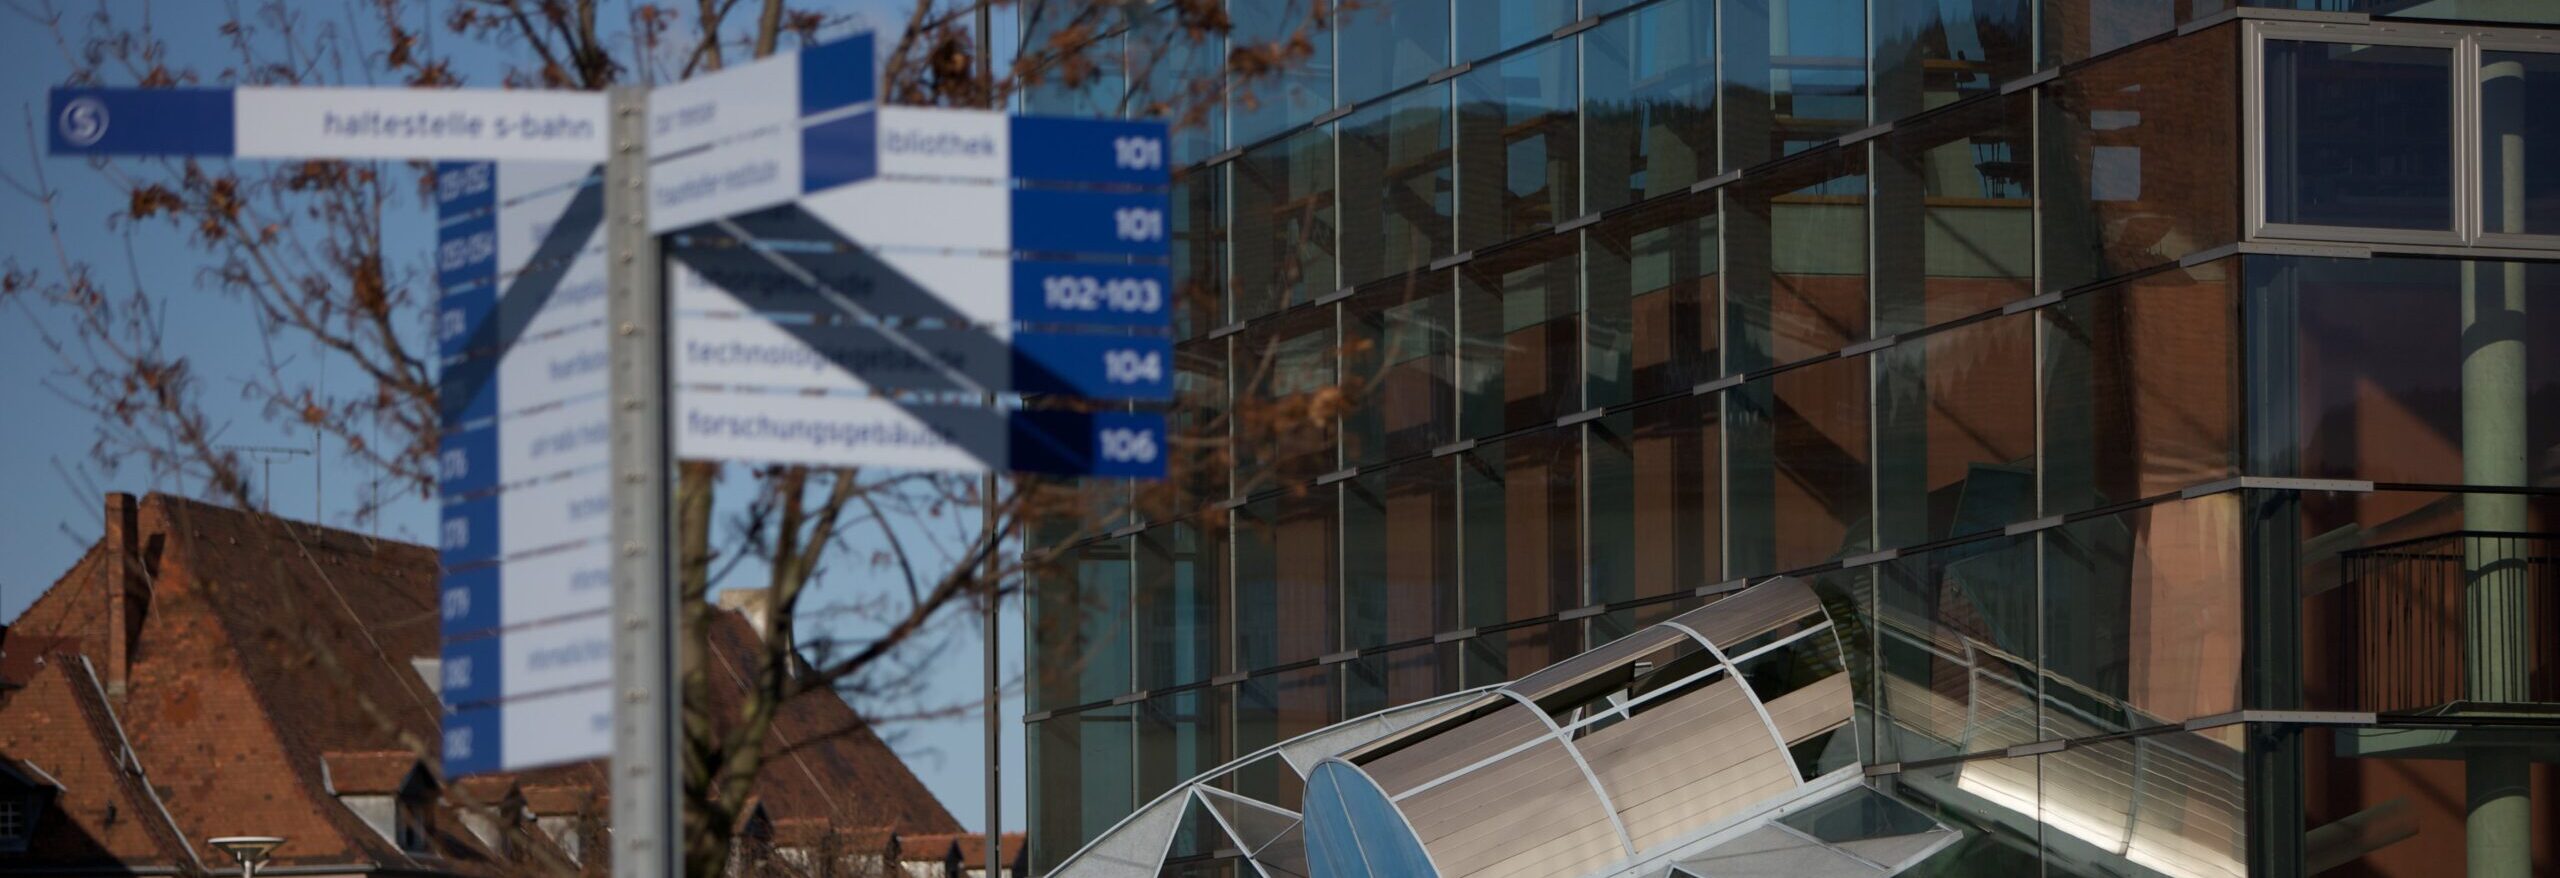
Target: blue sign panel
x=1063 y=150
x=469 y=600
x=467 y=252
x=141 y=121
x=837 y=75
x=465 y=188
x=470 y=532
x=1093 y=294
x=838 y=152
x=1107 y=444
x=474 y=671
x=467 y=461
x=1094 y=366
x=1077 y=221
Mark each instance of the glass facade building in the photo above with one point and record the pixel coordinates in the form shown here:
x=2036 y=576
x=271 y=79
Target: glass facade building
x=2181 y=375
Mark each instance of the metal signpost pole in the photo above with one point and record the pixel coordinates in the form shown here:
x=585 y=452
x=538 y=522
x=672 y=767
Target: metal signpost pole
x=987 y=496
x=647 y=841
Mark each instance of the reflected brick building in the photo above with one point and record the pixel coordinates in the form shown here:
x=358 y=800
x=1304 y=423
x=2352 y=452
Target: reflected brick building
x=2136 y=364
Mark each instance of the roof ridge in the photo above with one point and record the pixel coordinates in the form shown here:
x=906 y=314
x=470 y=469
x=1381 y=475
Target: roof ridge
x=140 y=776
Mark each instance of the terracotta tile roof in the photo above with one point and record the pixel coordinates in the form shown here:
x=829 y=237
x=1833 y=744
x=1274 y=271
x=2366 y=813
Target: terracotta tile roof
x=486 y=789
x=803 y=832
x=928 y=848
x=558 y=800
x=263 y=649
x=57 y=729
x=869 y=839
x=369 y=773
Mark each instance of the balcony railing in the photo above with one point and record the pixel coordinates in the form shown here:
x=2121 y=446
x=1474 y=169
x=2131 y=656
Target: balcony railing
x=2407 y=606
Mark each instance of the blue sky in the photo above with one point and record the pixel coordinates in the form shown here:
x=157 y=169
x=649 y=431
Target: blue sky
x=57 y=488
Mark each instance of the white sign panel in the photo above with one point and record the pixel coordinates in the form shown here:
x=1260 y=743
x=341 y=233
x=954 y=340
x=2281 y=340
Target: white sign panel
x=401 y=123
x=837 y=432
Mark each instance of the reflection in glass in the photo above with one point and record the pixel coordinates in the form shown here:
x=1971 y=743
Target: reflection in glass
x=1400 y=552
x=1797 y=251
x=1094 y=90
x=1519 y=148
x=1181 y=577
x=1386 y=46
x=1199 y=236
x=1518 y=360
x=2359 y=135
x=1490 y=26
x=1930 y=53
x=1281 y=364
x=1956 y=643
x=1398 y=338
x=2141 y=391
x=1080 y=619
x=2520 y=142
x=1272 y=709
x=2140 y=164
x=1798 y=480
x=1795 y=75
x=1648 y=103
x=1399 y=185
x=1656 y=511
x=2142 y=617
x=1651 y=293
x=1083 y=771
x=1284 y=223
x=1521 y=533
x=1178 y=739
x=1286 y=594
x=1955 y=214
x=1956 y=431
x=1296 y=90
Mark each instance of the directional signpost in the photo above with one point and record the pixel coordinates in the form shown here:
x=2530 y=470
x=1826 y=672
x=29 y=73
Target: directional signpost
x=849 y=284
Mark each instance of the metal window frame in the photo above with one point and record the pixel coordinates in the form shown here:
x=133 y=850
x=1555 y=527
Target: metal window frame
x=2467 y=228
x=2513 y=41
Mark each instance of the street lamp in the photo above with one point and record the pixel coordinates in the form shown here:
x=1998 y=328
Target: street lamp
x=250 y=850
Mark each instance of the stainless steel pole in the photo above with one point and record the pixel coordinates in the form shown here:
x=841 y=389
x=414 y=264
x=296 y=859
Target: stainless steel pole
x=647 y=842
x=987 y=499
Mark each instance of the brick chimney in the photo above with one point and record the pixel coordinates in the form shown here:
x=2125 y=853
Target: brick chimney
x=128 y=594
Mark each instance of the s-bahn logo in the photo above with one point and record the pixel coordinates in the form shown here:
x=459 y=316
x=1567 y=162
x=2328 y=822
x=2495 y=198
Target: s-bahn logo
x=84 y=121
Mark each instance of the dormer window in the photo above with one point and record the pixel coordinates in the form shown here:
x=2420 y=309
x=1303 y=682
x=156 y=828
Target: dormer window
x=13 y=823
x=23 y=795
x=390 y=790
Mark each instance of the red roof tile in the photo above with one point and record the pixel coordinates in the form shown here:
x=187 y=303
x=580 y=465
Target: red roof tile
x=370 y=773
x=57 y=729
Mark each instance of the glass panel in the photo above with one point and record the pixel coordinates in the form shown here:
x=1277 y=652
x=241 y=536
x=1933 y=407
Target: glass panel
x=1080 y=619
x=1178 y=738
x=2076 y=30
x=1798 y=256
x=1083 y=778
x=1332 y=848
x=1519 y=147
x=2359 y=135
x=1273 y=709
x=1955 y=640
x=2395 y=803
x=1649 y=103
x=1798 y=480
x=1284 y=223
x=2142 y=617
x=2520 y=142
x=1199 y=251
x=1203 y=458
x=1281 y=366
x=1491 y=26
x=1298 y=84
x=1657 y=522
x=2140 y=162
x=1956 y=431
x=1400 y=543
x=1399 y=677
x=1397 y=352
x=1650 y=278
x=1930 y=53
x=1171 y=68
x=1519 y=364
x=1181 y=592
x=1387 y=46
x=1285 y=588
x=1955 y=215
x=1387 y=844
x=2386 y=580
x=1521 y=533
x=2141 y=394
x=1795 y=75
x=1095 y=88
x=1396 y=207
x=2409 y=366
x=2161 y=805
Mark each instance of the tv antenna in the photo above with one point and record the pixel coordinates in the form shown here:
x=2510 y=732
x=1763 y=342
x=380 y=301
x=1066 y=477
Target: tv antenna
x=267 y=455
